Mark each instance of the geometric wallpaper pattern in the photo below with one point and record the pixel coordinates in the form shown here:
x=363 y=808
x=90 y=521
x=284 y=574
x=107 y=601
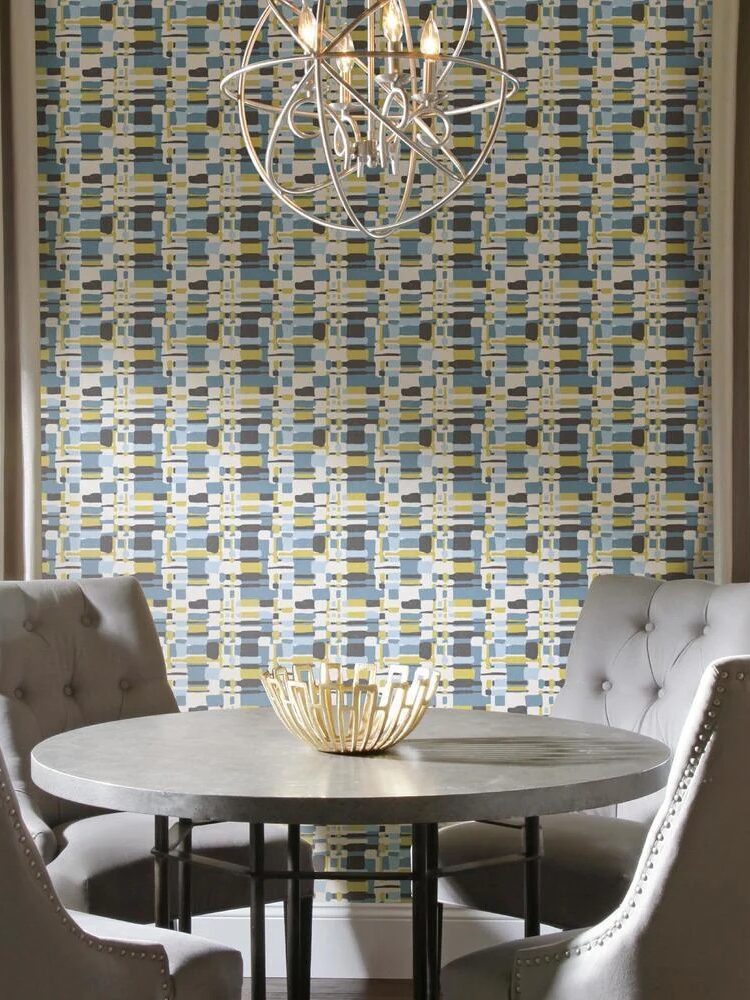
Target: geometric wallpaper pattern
x=417 y=451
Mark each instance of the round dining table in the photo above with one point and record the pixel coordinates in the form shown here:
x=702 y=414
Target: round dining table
x=243 y=765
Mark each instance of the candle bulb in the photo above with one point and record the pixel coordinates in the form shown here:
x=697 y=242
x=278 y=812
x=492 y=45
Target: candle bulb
x=429 y=46
x=430 y=41
x=307 y=28
x=393 y=26
x=344 y=63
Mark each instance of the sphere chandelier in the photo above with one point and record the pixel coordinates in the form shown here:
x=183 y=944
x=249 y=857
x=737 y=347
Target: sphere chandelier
x=397 y=125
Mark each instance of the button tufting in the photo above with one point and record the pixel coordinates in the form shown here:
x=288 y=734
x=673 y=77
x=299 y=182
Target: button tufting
x=660 y=693
x=648 y=627
x=125 y=684
x=19 y=693
x=86 y=620
x=706 y=629
x=606 y=685
x=28 y=625
x=68 y=690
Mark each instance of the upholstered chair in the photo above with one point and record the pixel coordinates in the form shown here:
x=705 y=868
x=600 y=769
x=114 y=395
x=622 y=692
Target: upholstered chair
x=50 y=953
x=77 y=653
x=682 y=929
x=639 y=649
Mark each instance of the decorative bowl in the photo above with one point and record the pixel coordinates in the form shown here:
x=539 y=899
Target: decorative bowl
x=349 y=710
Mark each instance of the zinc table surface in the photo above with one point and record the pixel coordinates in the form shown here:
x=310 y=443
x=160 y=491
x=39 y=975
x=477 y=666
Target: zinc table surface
x=242 y=764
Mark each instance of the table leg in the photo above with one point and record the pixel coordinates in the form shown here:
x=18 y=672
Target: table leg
x=307 y=919
x=293 y=915
x=419 y=930
x=532 y=876
x=161 y=872
x=432 y=914
x=439 y=959
x=257 y=914
x=184 y=886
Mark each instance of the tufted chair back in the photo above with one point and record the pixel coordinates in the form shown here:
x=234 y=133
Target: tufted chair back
x=43 y=952
x=639 y=650
x=682 y=929
x=72 y=653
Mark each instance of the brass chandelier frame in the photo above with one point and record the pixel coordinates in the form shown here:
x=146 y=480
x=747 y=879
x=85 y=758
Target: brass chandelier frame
x=367 y=135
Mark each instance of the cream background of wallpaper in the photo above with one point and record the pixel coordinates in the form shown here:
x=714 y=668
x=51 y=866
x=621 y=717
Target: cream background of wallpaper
x=418 y=452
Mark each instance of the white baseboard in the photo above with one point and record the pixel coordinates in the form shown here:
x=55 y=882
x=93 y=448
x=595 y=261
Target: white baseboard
x=359 y=940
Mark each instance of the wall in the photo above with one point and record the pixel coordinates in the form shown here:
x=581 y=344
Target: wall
x=419 y=451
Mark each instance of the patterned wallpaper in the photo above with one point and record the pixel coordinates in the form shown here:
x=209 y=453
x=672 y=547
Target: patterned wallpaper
x=418 y=451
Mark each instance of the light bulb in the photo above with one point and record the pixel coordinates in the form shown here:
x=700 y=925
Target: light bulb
x=429 y=44
x=307 y=28
x=393 y=26
x=344 y=62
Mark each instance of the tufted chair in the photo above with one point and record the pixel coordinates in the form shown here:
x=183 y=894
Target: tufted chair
x=49 y=952
x=682 y=929
x=639 y=649
x=77 y=653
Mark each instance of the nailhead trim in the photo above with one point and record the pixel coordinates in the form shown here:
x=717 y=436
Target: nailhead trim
x=157 y=953
x=689 y=774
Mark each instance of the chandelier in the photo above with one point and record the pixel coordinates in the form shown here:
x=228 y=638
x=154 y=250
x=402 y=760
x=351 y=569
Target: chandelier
x=391 y=130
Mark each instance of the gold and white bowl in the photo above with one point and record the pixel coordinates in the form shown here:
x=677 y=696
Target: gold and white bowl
x=350 y=710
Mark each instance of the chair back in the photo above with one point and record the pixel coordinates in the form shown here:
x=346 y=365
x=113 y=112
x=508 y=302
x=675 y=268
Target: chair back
x=43 y=952
x=73 y=653
x=638 y=653
x=683 y=927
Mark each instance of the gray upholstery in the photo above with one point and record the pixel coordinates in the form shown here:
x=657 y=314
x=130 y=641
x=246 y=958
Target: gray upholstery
x=48 y=952
x=637 y=655
x=682 y=928
x=71 y=654
x=198 y=968
x=105 y=862
x=81 y=652
x=488 y=974
x=587 y=866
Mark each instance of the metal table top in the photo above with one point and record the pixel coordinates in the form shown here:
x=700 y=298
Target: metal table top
x=242 y=764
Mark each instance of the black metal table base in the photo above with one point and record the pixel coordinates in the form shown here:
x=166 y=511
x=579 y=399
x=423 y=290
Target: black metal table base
x=257 y=913
x=424 y=908
x=532 y=850
x=174 y=844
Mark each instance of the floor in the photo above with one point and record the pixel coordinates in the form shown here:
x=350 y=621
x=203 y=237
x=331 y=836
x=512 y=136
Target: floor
x=342 y=989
